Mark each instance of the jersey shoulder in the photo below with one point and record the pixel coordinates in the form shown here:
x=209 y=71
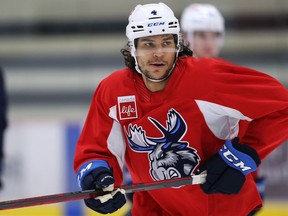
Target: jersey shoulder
x=116 y=84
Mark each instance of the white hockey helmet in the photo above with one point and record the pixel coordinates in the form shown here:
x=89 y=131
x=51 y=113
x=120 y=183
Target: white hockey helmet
x=149 y=20
x=202 y=17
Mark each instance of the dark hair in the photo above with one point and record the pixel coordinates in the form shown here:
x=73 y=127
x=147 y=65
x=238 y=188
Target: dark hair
x=130 y=61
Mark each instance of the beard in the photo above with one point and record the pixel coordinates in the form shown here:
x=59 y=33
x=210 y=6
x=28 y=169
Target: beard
x=153 y=74
x=150 y=75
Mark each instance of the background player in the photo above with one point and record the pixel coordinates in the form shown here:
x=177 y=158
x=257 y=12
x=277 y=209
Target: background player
x=203 y=29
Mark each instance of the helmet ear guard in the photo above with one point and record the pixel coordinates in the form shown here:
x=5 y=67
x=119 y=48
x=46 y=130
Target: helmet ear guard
x=180 y=42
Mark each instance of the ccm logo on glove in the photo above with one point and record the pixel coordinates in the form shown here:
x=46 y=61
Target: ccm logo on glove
x=236 y=159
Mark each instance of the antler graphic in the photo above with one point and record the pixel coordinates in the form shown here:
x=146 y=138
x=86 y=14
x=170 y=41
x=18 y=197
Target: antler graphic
x=137 y=137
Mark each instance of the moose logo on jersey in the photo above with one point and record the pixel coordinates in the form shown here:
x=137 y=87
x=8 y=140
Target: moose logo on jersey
x=169 y=156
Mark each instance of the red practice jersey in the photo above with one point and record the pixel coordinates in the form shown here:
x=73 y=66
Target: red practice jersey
x=170 y=133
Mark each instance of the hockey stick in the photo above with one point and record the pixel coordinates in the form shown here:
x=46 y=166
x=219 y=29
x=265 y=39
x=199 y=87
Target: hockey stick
x=78 y=195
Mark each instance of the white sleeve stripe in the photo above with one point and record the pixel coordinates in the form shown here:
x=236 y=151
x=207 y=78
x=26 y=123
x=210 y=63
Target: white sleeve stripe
x=222 y=121
x=116 y=142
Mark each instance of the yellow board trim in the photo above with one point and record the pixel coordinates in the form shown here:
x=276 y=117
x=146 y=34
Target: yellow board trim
x=48 y=210
x=274 y=209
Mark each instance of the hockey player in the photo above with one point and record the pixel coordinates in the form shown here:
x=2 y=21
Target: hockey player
x=164 y=118
x=203 y=29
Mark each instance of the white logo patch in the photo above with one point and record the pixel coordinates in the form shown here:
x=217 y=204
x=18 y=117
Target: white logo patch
x=127 y=107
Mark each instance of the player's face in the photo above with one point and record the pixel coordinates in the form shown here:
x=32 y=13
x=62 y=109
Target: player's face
x=156 y=55
x=206 y=44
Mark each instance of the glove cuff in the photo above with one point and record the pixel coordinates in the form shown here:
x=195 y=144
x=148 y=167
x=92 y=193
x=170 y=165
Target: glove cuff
x=243 y=158
x=88 y=167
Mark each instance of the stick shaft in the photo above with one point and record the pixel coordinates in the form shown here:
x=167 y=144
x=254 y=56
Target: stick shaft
x=78 y=195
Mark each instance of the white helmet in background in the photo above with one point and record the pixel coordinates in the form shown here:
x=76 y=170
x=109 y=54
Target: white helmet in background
x=149 y=20
x=202 y=17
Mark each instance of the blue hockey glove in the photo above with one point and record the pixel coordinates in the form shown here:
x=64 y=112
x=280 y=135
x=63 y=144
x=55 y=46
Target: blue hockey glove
x=227 y=169
x=101 y=178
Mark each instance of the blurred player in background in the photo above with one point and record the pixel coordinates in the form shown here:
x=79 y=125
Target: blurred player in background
x=203 y=29
x=3 y=121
